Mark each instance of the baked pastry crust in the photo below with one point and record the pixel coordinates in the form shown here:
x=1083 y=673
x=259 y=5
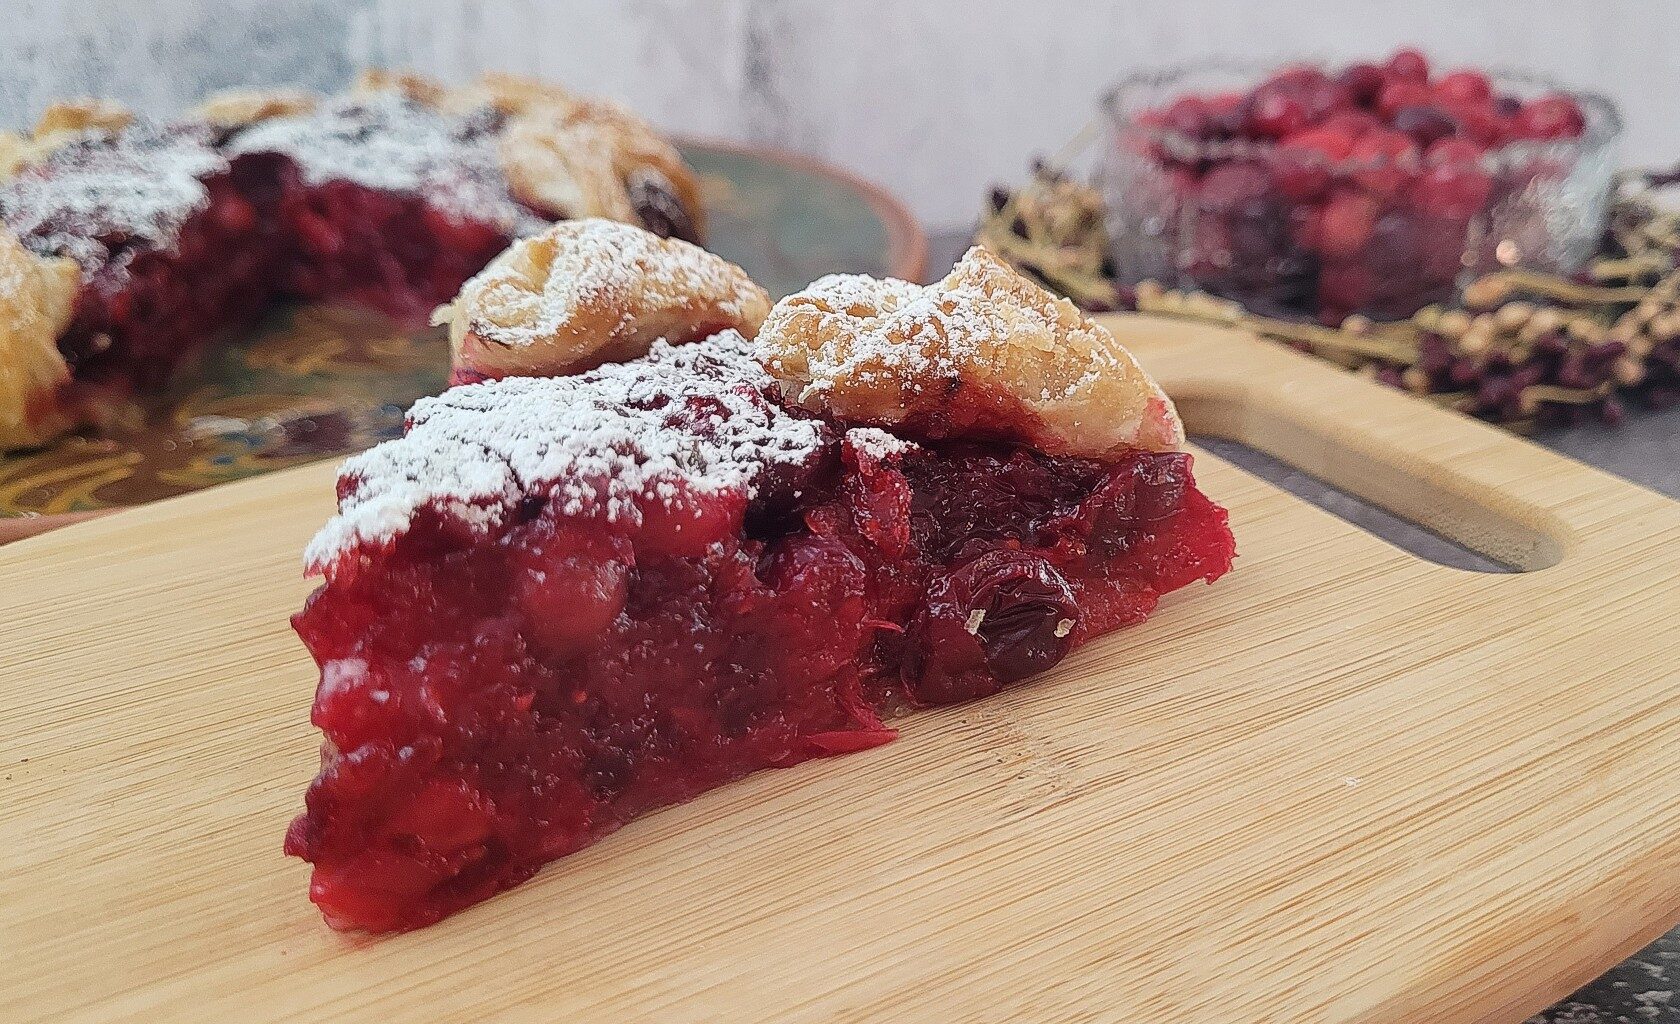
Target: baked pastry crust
x=37 y=300
x=983 y=353
x=571 y=155
x=236 y=108
x=590 y=158
x=60 y=123
x=587 y=292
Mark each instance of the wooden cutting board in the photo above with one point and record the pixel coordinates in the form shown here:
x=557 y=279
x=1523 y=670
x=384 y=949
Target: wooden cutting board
x=1341 y=785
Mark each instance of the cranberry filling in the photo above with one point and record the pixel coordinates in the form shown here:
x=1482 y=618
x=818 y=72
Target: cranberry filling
x=492 y=703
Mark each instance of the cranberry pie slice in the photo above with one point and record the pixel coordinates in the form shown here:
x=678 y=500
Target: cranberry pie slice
x=559 y=602
x=389 y=196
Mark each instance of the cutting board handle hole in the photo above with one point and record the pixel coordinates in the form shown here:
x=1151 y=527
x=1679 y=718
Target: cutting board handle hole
x=1369 y=482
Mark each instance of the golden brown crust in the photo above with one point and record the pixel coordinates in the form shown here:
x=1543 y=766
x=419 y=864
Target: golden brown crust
x=586 y=292
x=71 y=117
x=983 y=353
x=582 y=158
x=15 y=151
x=37 y=300
x=521 y=94
x=58 y=124
x=236 y=108
x=417 y=87
x=569 y=155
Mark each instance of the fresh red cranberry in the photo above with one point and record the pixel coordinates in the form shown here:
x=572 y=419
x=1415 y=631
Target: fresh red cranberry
x=1343 y=288
x=1386 y=160
x=1334 y=142
x=1553 y=116
x=1345 y=225
x=1426 y=125
x=1454 y=151
x=1352 y=122
x=1394 y=250
x=1362 y=81
x=1296 y=77
x=1477 y=120
x=1407 y=65
x=1276 y=113
x=1227 y=113
x=1303 y=163
x=1464 y=86
x=1399 y=94
x=1187 y=116
x=1457 y=189
x=1230 y=186
x=1306 y=226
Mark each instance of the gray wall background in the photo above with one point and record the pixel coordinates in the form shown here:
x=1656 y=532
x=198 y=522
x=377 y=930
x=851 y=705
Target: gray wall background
x=935 y=98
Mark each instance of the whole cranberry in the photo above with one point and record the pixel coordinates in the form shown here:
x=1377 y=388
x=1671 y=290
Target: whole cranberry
x=1362 y=81
x=1187 y=116
x=1456 y=190
x=1343 y=288
x=1352 y=122
x=1006 y=615
x=1323 y=98
x=1306 y=226
x=1400 y=94
x=1407 y=65
x=1345 y=225
x=1453 y=151
x=1227 y=113
x=1231 y=186
x=1477 y=120
x=1385 y=161
x=1553 y=116
x=1297 y=77
x=1394 y=250
x=1332 y=141
x=1444 y=240
x=1425 y=125
x=1276 y=113
x=1303 y=163
x=1465 y=86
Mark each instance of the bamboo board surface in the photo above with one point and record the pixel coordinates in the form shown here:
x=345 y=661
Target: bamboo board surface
x=1341 y=785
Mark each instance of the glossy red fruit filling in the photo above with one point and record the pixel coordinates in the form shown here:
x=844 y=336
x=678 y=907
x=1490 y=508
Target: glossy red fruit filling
x=392 y=251
x=146 y=309
x=493 y=702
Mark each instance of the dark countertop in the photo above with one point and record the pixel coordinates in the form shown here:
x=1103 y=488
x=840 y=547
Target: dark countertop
x=1645 y=989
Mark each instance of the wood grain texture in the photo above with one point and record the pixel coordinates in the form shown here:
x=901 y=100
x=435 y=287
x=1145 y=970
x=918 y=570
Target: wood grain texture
x=1342 y=785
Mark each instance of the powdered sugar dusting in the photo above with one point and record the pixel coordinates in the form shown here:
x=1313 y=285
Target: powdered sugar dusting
x=602 y=443
x=877 y=443
x=891 y=331
x=386 y=141
x=606 y=265
x=134 y=188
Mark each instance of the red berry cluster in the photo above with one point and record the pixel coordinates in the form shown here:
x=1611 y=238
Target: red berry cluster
x=1334 y=193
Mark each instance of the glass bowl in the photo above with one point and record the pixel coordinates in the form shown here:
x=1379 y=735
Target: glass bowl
x=1293 y=231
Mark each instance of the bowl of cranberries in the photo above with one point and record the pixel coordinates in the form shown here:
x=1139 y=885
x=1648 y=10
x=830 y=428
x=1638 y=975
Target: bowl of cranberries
x=1313 y=190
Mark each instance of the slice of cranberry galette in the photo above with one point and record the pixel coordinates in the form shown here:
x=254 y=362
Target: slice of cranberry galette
x=560 y=601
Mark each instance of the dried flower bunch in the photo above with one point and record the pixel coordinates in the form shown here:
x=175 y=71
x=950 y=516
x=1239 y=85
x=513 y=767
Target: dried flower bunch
x=1520 y=348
